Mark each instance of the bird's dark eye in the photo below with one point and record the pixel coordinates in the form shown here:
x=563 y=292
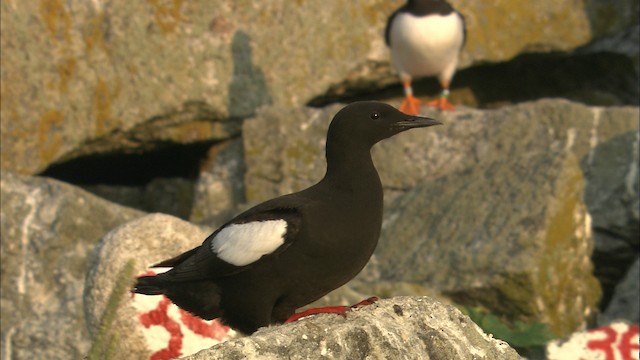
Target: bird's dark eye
x=374 y=115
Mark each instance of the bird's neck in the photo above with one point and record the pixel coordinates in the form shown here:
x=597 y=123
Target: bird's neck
x=352 y=167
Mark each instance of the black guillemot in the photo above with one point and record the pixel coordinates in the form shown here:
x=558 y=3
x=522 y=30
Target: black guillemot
x=425 y=38
x=285 y=253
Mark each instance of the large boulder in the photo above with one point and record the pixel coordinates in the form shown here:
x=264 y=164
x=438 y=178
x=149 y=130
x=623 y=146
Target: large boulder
x=396 y=328
x=112 y=76
x=140 y=326
x=48 y=230
x=511 y=234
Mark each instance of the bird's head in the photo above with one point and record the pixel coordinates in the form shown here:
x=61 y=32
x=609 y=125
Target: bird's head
x=368 y=122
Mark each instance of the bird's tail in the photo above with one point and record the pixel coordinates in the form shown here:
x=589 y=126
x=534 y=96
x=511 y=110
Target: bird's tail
x=201 y=298
x=149 y=285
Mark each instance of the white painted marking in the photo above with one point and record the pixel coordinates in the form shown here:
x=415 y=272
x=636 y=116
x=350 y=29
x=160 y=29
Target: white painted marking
x=242 y=244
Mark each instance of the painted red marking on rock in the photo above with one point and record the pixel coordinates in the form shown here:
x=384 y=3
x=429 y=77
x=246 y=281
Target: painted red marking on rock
x=627 y=347
x=605 y=345
x=159 y=316
x=610 y=344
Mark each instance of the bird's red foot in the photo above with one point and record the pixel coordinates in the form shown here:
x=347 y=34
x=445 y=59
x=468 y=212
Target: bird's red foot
x=365 y=302
x=340 y=310
x=410 y=105
x=441 y=103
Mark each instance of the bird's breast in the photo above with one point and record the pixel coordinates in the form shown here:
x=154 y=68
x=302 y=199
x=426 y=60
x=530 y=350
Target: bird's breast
x=423 y=46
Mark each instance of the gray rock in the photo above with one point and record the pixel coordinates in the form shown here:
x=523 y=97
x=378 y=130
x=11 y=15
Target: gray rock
x=396 y=328
x=114 y=317
x=510 y=234
x=173 y=196
x=624 y=304
x=48 y=229
x=219 y=189
x=296 y=160
x=611 y=195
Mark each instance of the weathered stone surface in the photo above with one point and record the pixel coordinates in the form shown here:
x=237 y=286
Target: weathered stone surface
x=220 y=187
x=99 y=77
x=48 y=228
x=94 y=77
x=538 y=27
x=612 y=197
x=396 y=328
x=143 y=325
x=624 y=304
x=173 y=196
x=511 y=234
x=296 y=160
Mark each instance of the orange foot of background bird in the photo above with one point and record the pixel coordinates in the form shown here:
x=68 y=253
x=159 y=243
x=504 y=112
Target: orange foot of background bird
x=410 y=105
x=340 y=310
x=441 y=103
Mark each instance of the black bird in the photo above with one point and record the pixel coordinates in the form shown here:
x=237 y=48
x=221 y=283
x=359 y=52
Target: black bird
x=425 y=38
x=287 y=252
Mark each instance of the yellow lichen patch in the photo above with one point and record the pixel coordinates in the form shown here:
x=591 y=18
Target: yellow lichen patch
x=93 y=35
x=65 y=70
x=48 y=140
x=167 y=14
x=194 y=131
x=56 y=18
x=102 y=100
x=566 y=247
x=500 y=35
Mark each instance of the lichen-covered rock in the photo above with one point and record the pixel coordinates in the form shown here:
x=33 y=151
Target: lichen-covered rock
x=395 y=328
x=125 y=76
x=130 y=76
x=511 y=234
x=140 y=326
x=48 y=229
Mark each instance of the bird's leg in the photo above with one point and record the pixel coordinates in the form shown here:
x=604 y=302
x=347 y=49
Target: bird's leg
x=442 y=102
x=411 y=104
x=340 y=310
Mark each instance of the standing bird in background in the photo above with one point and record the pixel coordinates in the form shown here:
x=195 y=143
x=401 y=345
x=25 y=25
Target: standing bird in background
x=287 y=252
x=425 y=38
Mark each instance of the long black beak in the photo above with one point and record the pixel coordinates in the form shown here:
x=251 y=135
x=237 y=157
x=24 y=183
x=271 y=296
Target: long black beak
x=411 y=122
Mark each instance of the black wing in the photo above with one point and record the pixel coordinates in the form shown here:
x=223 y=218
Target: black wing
x=202 y=263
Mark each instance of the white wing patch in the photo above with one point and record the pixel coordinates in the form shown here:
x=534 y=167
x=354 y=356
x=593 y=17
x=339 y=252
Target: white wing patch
x=242 y=244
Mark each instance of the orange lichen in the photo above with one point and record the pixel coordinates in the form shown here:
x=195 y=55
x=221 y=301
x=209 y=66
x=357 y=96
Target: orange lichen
x=48 y=140
x=56 y=18
x=167 y=14
x=102 y=100
x=65 y=70
x=93 y=35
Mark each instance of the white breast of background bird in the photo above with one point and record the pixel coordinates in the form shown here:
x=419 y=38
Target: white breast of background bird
x=425 y=45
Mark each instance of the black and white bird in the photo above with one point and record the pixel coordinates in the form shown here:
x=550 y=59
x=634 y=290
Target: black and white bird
x=285 y=253
x=425 y=38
